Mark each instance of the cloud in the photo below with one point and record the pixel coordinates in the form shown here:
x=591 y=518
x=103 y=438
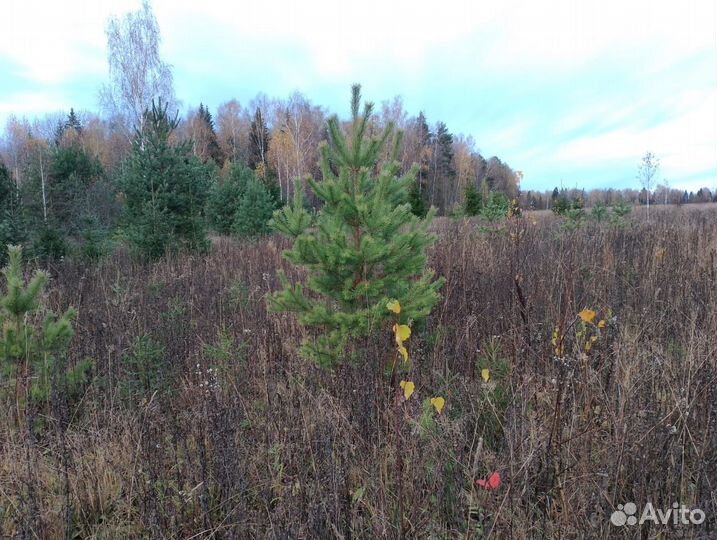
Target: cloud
x=558 y=89
x=29 y=103
x=55 y=41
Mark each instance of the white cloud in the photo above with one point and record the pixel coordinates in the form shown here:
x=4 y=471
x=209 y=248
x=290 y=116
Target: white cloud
x=524 y=43
x=54 y=41
x=30 y=103
x=685 y=141
x=687 y=134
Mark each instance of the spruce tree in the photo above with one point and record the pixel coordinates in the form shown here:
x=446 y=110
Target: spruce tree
x=472 y=200
x=364 y=248
x=258 y=141
x=214 y=151
x=165 y=189
x=444 y=171
x=73 y=122
x=417 y=200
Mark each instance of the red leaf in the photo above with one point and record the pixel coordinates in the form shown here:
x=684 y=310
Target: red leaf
x=493 y=481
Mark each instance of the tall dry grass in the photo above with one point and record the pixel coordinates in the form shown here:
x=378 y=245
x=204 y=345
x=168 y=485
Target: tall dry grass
x=202 y=422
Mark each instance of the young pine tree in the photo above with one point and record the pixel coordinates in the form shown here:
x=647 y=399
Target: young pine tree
x=29 y=350
x=255 y=209
x=364 y=248
x=224 y=196
x=165 y=189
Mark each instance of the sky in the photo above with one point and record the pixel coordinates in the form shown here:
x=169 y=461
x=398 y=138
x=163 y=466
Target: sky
x=571 y=93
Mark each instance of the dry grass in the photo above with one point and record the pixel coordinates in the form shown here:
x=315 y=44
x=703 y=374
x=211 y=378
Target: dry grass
x=266 y=446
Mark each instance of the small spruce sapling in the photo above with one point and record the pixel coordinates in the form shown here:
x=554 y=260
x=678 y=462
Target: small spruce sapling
x=364 y=247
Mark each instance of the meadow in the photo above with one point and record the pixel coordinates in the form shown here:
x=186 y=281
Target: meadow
x=578 y=363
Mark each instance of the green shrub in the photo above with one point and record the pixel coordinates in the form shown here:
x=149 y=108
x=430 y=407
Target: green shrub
x=599 y=212
x=496 y=207
x=49 y=244
x=621 y=209
x=95 y=241
x=145 y=366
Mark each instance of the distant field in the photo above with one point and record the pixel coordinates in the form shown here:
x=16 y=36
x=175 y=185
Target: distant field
x=201 y=421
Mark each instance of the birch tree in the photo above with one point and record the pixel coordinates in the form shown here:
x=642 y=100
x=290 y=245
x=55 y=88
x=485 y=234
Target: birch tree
x=137 y=74
x=647 y=175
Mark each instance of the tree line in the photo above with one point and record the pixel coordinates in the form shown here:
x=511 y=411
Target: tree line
x=663 y=194
x=137 y=170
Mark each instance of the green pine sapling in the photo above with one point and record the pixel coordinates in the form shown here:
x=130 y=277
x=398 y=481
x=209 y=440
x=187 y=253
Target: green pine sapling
x=32 y=340
x=364 y=248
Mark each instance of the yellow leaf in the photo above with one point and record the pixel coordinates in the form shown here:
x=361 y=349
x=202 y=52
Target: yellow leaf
x=438 y=403
x=403 y=352
x=402 y=331
x=408 y=387
x=395 y=306
x=602 y=323
x=485 y=374
x=587 y=315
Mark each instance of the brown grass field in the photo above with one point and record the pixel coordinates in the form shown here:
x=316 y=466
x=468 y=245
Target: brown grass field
x=202 y=422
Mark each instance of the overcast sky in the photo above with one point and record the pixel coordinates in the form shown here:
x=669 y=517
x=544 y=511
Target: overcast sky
x=570 y=93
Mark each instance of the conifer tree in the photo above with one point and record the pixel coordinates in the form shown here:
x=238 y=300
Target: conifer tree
x=255 y=209
x=29 y=350
x=225 y=195
x=472 y=200
x=72 y=173
x=73 y=122
x=213 y=149
x=417 y=200
x=258 y=141
x=419 y=190
x=444 y=171
x=165 y=189
x=364 y=248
